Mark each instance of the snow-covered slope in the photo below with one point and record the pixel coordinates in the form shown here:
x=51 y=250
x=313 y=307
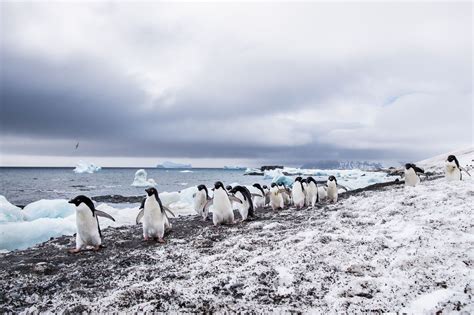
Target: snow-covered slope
x=436 y=163
x=399 y=249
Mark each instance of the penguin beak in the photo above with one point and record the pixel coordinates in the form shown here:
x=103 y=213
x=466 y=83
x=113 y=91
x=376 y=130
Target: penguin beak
x=71 y=201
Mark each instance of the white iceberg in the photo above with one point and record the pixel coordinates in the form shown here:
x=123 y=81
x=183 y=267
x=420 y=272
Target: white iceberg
x=86 y=167
x=168 y=164
x=9 y=212
x=54 y=208
x=141 y=180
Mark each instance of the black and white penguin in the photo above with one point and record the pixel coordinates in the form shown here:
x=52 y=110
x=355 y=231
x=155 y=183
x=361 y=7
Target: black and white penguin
x=87 y=224
x=297 y=193
x=222 y=212
x=332 y=189
x=155 y=217
x=266 y=190
x=312 y=196
x=276 y=197
x=246 y=207
x=259 y=200
x=200 y=199
x=411 y=174
x=452 y=169
x=285 y=193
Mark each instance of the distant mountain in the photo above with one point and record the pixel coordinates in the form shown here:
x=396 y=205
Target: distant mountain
x=168 y=164
x=343 y=165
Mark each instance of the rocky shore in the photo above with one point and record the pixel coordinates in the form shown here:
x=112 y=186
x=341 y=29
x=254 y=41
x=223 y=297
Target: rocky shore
x=353 y=256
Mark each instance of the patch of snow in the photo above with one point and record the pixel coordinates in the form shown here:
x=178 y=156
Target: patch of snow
x=86 y=167
x=141 y=180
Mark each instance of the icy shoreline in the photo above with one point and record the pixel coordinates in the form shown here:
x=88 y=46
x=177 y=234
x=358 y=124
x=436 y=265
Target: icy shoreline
x=388 y=249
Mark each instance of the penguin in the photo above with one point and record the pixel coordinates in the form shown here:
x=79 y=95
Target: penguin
x=285 y=193
x=305 y=185
x=259 y=200
x=332 y=189
x=452 y=169
x=312 y=195
x=200 y=199
x=87 y=224
x=297 y=193
x=246 y=207
x=266 y=190
x=411 y=174
x=222 y=212
x=154 y=214
x=276 y=197
x=228 y=188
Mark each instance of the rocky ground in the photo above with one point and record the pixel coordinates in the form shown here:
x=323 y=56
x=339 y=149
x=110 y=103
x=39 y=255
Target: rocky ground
x=384 y=248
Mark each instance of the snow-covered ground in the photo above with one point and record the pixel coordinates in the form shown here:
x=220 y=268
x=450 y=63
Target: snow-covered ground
x=398 y=249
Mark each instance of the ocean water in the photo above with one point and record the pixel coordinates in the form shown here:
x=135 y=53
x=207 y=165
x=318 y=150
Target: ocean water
x=24 y=185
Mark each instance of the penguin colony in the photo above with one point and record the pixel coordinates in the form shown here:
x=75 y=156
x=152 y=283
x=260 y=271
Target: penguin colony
x=155 y=217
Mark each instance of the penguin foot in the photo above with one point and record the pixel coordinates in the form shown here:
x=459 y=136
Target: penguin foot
x=96 y=248
x=145 y=238
x=161 y=240
x=74 y=250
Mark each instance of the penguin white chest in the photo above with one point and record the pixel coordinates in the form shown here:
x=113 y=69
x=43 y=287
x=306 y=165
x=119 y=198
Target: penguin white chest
x=411 y=178
x=222 y=212
x=332 y=191
x=153 y=219
x=452 y=172
x=298 y=195
x=87 y=226
x=199 y=201
x=276 y=199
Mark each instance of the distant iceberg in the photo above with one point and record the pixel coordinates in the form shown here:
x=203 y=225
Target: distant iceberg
x=141 y=180
x=234 y=167
x=86 y=167
x=168 y=164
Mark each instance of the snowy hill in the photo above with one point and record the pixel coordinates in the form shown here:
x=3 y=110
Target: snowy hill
x=436 y=163
x=393 y=249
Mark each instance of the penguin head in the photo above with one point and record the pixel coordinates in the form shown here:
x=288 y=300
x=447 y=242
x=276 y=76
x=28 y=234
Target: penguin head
x=298 y=179
x=218 y=185
x=82 y=199
x=228 y=187
x=273 y=185
x=257 y=185
x=152 y=191
x=408 y=166
x=203 y=187
x=265 y=187
x=332 y=178
x=304 y=180
x=452 y=159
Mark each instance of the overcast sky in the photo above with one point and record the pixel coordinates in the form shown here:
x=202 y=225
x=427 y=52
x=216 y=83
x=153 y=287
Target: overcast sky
x=214 y=84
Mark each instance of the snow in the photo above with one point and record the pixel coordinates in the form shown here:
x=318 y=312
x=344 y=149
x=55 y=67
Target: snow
x=141 y=180
x=168 y=164
x=9 y=212
x=86 y=167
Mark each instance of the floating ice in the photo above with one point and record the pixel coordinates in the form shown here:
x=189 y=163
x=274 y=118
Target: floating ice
x=86 y=167
x=168 y=164
x=141 y=180
x=283 y=179
x=55 y=208
x=234 y=167
x=186 y=171
x=9 y=212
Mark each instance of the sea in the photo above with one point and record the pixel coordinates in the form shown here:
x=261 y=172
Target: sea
x=23 y=185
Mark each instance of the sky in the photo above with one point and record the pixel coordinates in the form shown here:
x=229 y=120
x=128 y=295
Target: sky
x=216 y=84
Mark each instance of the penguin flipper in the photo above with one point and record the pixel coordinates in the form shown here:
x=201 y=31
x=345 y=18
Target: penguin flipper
x=465 y=170
x=419 y=169
x=168 y=210
x=140 y=215
x=103 y=214
x=256 y=195
x=235 y=199
x=340 y=186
